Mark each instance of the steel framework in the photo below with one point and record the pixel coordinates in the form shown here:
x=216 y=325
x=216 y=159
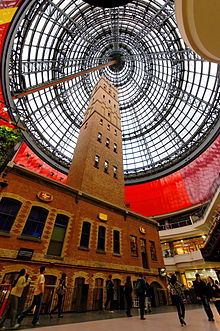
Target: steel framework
x=168 y=95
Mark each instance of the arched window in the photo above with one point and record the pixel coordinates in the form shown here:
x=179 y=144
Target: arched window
x=58 y=235
x=8 y=212
x=35 y=222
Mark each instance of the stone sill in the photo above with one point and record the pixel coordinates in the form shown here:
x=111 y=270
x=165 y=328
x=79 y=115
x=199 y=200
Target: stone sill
x=100 y=252
x=29 y=238
x=116 y=254
x=53 y=257
x=4 y=234
x=83 y=248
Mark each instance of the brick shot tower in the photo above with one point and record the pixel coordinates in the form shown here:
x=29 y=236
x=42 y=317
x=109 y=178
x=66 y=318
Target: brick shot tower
x=97 y=166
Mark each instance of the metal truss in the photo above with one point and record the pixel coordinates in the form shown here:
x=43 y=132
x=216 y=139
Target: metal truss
x=168 y=95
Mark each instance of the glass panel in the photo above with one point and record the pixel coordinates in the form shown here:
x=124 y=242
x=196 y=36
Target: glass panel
x=101 y=238
x=35 y=222
x=84 y=242
x=116 y=241
x=8 y=212
x=133 y=245
x=153 y=250
x=55 y=248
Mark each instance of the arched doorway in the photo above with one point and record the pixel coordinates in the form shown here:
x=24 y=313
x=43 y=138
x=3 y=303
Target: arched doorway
x=80 y=295
x=118 y=299
x=97 y=303
x=158 y=295
x=50 y=284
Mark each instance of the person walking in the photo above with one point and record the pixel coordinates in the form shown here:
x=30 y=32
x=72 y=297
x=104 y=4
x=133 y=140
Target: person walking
x=12 y=304
x=60 y=291
x=128 y=295
x=213 y=292
x=141 y=291
x=109 y=293
x=37 y=301
x=147 y=297
x=176 y=290
x=201 y=294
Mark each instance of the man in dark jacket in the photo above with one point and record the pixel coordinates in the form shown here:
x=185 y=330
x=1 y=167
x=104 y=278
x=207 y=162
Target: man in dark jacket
x=109 y=293
x=141 y=291
x=201 y=294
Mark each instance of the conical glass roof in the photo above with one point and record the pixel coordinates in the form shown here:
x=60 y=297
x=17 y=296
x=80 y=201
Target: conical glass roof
x=168 y=95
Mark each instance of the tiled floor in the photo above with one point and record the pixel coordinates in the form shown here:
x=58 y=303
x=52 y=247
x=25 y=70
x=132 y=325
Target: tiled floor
x=166 y=320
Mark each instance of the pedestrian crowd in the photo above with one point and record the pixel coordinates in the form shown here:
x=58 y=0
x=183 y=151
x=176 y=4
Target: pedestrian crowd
x=206 y=292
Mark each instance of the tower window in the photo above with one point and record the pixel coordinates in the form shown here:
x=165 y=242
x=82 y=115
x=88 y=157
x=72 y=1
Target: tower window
x=109 y=101
x=101 y=121
x=108 y=114
x=115 y=132
x=114 y=106
x=103 y=96
x=107 y=142
x=108 y=127
x=96 y=161
x=115 y=172
x=101 y=238
x=115 y=147
x=99 y=138
x=106 y=166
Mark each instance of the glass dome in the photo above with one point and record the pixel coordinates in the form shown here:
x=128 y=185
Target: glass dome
x=168 y=95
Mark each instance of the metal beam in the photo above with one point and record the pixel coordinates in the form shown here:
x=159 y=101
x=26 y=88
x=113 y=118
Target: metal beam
x=61 y=80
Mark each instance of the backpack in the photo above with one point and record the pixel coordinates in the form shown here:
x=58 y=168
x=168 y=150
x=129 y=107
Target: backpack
x=139 y=287
x=109 y=285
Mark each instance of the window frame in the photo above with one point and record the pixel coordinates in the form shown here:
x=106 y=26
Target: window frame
x=116 y=242
x=6 y=216
x=153 y=252
x=101 y=240
x=37 y=223
x=136 y=248
x=57 y=226
x=85 y=235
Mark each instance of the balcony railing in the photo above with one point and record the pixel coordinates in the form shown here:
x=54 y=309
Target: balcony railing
x=201 y=211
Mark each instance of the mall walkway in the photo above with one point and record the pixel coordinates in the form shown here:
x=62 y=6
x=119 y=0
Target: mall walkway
x=163 y=318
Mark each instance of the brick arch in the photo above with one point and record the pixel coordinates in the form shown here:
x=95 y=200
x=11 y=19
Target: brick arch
x=16 y=268
x=97 y=275
x=81 y=274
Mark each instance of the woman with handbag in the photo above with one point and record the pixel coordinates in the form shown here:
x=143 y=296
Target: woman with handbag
x=60 y=291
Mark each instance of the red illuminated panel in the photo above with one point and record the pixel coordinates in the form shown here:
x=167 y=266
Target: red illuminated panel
x=203 y=174
x=27 y=158
x=158 y=197
x=191 y=185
